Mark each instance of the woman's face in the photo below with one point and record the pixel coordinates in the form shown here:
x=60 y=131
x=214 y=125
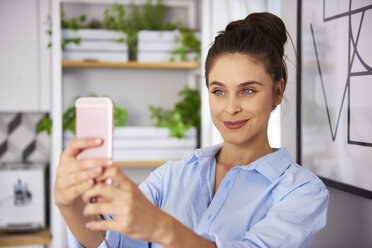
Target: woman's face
x=241 y=98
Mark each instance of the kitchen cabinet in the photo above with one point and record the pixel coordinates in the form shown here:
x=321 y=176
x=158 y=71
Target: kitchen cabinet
x=25 y=59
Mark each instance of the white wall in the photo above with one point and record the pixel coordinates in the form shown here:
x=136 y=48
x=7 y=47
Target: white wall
x=349 y=216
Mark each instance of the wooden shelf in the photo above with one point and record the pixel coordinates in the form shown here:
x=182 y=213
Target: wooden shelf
x=134 y=164
x=42 y=237
x=131 y=65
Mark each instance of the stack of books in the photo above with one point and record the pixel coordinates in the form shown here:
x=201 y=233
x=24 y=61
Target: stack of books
x=95 y=45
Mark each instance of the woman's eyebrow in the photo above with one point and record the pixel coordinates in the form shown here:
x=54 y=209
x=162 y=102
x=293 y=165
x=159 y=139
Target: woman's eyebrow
x=216 y=83
x=240 y=85
x=250 y=83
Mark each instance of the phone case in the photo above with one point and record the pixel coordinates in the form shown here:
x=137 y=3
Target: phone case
x=94 y=118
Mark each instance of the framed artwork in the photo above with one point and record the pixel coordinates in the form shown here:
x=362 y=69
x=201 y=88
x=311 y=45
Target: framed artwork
x=334 y=118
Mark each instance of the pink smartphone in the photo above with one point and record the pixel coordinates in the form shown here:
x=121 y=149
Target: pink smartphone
x=94 y=118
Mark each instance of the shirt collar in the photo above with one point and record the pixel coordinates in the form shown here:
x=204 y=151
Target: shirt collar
x=271 y=165
x=209 y=151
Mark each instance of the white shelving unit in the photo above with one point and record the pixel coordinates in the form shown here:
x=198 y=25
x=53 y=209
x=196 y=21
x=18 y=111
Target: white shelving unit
x=188 y=70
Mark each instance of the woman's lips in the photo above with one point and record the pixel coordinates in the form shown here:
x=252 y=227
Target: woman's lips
x=235 y=124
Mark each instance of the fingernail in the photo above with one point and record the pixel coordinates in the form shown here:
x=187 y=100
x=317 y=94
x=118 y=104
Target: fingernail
x=98 y=141
x=97 y=170
x=107 y=162
x=90 y=182
x=88 y=225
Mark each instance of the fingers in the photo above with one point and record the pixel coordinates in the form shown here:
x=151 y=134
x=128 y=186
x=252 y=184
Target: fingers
x=79 y=189
x=65 y=196
x=102 y=225
x=104 y=191
x=74 y=166
x=104 y=208
x=84 y=176
x=82 y=171
x=98 y=209
x=73 y=176
x=78 y=144
x=72 y=180
x=86 y=164
x=117 y=177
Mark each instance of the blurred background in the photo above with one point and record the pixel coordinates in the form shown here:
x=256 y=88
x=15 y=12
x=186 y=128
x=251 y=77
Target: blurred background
x=148 y=56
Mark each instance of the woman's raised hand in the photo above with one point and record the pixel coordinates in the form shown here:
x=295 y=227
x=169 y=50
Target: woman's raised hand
x=74 y=177
x=133 y=214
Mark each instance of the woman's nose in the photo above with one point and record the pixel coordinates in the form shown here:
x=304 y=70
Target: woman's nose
x=233 y=107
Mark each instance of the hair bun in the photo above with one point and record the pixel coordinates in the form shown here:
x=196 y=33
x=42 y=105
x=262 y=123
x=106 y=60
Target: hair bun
x=265 y=23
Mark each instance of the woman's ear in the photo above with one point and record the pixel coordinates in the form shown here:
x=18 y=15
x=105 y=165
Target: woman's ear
x=278 y=92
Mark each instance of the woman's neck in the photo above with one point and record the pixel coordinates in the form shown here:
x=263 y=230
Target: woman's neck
x=243 y=154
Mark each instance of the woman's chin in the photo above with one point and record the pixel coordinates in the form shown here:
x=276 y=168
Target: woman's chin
x=235 y=139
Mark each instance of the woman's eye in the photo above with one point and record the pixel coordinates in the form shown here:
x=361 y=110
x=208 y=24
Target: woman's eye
x=247 y=91
x=218 y=92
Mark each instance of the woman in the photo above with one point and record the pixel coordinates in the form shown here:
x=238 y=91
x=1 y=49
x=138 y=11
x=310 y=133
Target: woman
x=241 y=193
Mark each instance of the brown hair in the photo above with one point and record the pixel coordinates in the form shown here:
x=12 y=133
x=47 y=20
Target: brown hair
x=260 y=35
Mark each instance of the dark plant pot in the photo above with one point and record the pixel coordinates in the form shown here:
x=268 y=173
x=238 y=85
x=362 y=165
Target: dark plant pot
x=132 y=52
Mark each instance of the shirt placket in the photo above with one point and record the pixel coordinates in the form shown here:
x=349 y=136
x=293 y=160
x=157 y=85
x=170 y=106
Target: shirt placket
x=218 y=200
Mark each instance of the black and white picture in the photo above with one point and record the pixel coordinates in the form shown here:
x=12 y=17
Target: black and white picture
x=336 y=91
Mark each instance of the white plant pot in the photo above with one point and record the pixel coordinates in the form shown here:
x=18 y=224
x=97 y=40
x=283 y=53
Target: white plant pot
x=95 y=45
x=157 y=46
x=92 y=34
x=104 y=45
x=158 y=41
x=148 y=144
x=148 y=56
x=78 y=55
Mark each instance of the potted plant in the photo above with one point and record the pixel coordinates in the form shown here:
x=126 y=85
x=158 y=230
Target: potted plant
x=94 y=40
x=184 y=115
x=189 y=48
x=174 y=136
x=157 y=38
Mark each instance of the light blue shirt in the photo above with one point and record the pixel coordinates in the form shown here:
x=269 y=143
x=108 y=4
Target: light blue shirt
x=271 y=202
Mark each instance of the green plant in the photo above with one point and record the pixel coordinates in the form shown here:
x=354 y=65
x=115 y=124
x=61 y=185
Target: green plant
x=69 y=123
x=189 y=43
x=73 y=23
x=48 y=22
x=147 y=17
x=76 y=41
x=115 y=19
x=45 y=124
x=151 y=17
x=184 y=115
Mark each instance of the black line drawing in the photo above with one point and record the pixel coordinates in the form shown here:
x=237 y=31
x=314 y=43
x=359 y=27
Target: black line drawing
x=368 y=69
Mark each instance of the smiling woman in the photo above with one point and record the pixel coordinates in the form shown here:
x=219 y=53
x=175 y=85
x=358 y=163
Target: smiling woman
x=241 y=96
x=241 y=193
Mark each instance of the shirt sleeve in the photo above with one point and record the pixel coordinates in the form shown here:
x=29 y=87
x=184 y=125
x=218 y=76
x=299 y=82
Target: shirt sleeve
x=292 y=222
x=156 y=185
